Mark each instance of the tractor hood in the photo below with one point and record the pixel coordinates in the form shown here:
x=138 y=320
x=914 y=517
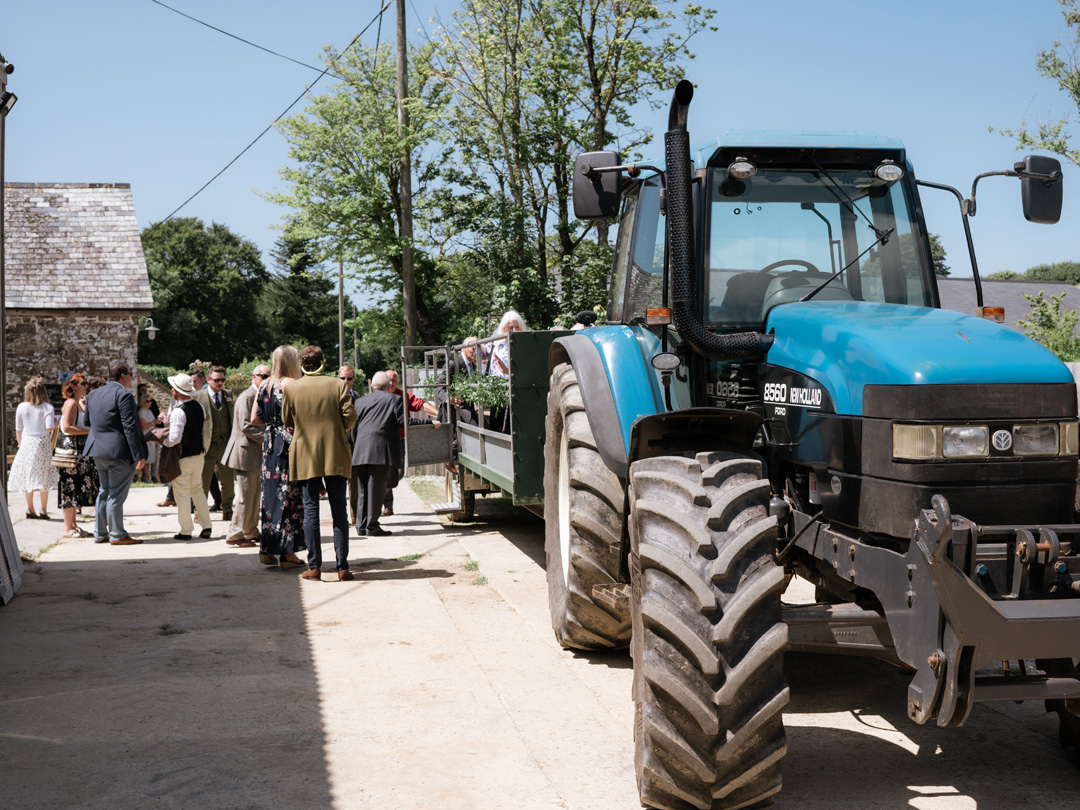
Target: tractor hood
x=849 y=345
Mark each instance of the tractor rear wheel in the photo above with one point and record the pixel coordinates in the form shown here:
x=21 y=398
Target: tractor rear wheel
x=708 y=639
x=1068 y=711
x=583 y=504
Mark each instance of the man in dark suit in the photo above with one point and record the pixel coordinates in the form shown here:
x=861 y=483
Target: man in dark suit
x=115 y=443
x=380 y=417
x=465 y=363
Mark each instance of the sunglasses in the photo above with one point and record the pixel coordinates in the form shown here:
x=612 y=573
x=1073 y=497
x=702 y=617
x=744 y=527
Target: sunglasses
x=261 y=376
x=217 y=379
x=347 y=379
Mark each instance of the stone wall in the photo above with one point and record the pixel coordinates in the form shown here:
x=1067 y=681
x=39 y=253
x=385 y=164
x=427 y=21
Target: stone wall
x=47 y=343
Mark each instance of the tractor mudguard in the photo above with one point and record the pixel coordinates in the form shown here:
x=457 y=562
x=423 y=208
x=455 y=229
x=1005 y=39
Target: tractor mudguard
x=600 y=356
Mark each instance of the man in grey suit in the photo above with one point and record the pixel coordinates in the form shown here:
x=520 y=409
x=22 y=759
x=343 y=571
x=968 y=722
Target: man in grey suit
x=115 y=443
x=376 y=449
x=243 y=454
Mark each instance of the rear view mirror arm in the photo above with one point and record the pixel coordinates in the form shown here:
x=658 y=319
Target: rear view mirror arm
x=964 y=213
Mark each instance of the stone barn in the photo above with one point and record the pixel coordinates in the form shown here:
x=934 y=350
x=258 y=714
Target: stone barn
x=76 y=283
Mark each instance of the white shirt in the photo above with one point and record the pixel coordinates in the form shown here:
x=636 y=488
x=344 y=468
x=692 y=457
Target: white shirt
x=35 y=420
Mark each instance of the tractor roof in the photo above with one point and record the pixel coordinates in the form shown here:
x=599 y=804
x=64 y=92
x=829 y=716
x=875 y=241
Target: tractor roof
x=702 y=152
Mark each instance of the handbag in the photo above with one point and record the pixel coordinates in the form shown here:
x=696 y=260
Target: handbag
x=169 y=463
x=62 y=456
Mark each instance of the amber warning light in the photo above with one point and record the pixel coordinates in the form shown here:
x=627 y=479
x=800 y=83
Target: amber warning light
x=658 y=316
x=995 y=314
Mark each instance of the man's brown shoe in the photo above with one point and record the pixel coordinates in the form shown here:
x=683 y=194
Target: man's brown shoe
x=126 y=540
x=344 y=575
x=166 y=503
x=312 y=573
x=227 y=514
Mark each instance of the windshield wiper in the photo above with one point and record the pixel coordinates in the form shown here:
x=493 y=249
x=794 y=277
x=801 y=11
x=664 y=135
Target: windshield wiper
x=847 y=202
x=883 y=237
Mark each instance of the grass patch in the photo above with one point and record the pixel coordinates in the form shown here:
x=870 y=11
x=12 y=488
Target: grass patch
x=410 y=557
x=480 y=581
x=471 y=565
x=167 y=629
x=427 y=490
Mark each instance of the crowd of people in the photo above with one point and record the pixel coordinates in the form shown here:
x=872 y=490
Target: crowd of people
x=293 y=437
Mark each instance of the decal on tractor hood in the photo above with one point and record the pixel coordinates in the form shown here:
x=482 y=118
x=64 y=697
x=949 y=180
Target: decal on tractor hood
x=784 y=394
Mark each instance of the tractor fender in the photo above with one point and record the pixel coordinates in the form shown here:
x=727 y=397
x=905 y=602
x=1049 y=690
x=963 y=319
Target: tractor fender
x=616 y=386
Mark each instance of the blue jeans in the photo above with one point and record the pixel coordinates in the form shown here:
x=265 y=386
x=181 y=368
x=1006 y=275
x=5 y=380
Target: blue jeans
x=337 y=488
x=114 y=479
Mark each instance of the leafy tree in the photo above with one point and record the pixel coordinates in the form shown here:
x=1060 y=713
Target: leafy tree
x=1060 y=65
x=1003 y=275
x=937 y=254
x=204 y=282
x=299 y=304
x=1055 y=329
x=344 y=188
x=1060 y=271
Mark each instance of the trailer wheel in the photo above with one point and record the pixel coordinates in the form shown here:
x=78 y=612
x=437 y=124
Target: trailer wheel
x=583 y=504
x=708 y=639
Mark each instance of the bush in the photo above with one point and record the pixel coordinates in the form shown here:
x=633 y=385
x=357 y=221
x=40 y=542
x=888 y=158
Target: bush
x=1053 y=328
x=159 y=373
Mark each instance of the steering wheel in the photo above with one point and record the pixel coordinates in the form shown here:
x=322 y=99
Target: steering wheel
x=808 y=266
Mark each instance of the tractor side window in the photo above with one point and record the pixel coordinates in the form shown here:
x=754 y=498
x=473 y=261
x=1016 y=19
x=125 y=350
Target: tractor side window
x=646 y=282
x=622 y=260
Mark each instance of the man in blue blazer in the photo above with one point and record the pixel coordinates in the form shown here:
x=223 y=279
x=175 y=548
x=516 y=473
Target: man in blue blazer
x=115 y=443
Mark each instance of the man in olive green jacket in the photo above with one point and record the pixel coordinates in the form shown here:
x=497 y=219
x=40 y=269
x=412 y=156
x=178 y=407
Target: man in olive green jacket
x=320 y=411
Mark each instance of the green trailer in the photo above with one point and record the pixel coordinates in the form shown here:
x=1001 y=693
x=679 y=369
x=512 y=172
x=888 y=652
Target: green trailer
x=486 y=461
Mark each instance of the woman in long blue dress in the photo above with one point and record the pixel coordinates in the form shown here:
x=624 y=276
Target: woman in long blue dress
x=282 y=505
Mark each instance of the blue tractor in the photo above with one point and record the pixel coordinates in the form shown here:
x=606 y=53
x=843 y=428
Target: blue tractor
x=777 y=392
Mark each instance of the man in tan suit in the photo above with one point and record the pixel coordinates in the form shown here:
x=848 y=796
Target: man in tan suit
x=243 y=454
x=320 y=411
x=218 y=402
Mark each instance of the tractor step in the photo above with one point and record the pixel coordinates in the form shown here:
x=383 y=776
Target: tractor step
x=446 y=508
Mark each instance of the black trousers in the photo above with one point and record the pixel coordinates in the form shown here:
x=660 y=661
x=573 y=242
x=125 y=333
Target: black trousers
x=371 y=489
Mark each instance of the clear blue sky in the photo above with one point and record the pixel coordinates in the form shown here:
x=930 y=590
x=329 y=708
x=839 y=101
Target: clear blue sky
x=127 y=91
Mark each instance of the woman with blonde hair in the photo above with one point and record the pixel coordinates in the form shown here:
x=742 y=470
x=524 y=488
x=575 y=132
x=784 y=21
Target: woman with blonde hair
x=78 y=485
x=282 y=505
x=32 y=470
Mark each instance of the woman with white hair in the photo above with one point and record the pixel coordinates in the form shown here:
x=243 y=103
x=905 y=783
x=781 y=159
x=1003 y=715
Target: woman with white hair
x=499 y=366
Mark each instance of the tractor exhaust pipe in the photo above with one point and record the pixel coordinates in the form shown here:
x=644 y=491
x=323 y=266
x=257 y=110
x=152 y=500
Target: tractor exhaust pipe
x=680 y=217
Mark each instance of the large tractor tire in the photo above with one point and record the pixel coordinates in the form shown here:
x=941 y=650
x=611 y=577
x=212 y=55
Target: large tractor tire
x=708 y=639
x=583 y=505
x=1068 y=711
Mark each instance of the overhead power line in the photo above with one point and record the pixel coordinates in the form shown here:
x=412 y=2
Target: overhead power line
x=239 y=39
x=285 y=112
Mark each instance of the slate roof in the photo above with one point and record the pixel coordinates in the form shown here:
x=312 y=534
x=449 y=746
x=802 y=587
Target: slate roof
x=73 y=246
x=959 y=294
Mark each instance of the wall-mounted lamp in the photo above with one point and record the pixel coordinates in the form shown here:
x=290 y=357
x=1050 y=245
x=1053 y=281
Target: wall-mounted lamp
x=7 y=101
x=147 y=325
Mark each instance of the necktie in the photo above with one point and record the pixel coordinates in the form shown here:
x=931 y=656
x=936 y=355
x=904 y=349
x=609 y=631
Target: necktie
x=217 y=400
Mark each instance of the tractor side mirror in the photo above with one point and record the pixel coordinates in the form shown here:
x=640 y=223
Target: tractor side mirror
x=597 y=185
x=1040 y=188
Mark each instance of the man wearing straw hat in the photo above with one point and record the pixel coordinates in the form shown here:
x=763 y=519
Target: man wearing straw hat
x=186 y=421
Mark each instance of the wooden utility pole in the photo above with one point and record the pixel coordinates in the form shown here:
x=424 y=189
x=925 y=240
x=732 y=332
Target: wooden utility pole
x=340 y=312
x=408 y=282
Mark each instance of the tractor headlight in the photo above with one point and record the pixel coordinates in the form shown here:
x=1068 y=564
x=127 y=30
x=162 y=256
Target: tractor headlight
x=916 y=442
x=1036 y=440
x=1070 y=438
x=964 y=441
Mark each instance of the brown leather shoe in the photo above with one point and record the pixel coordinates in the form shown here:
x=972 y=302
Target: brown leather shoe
x=269 y=559
x=166 y=503
x=344 y=575
x=126 y=540
x=387 y=511
x=227 y=514
x=312 y=574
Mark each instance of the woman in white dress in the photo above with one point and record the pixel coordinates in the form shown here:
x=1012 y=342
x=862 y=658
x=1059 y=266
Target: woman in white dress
x=32 y=470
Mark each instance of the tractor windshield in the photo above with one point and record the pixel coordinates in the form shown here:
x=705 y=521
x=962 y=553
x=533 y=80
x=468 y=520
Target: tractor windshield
x=774 y=237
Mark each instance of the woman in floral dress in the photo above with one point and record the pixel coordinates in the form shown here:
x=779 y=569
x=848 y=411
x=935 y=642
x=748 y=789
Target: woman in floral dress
x=79 y=484
x=282 y=505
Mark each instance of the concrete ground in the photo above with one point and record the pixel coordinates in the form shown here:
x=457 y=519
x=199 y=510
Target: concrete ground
x=186 y=675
